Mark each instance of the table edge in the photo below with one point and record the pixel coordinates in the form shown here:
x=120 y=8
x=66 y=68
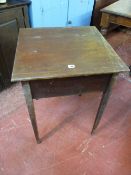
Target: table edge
x=13 y=79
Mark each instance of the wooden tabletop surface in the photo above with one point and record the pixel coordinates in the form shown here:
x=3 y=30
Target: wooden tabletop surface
x=63 y=52
x=121 y=8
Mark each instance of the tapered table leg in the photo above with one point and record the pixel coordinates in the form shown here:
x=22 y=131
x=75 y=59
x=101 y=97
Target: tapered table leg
x=105 y=21
x=130 y=70
x=2 y=84
x=30 y=105
x=104 y=100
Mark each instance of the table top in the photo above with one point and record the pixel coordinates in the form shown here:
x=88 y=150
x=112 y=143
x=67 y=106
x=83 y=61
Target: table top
x=47 y=53
x=121 y=8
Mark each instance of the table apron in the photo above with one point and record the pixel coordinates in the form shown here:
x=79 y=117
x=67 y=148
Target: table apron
x=124 y=21
x=67 y=86
x=108 y=18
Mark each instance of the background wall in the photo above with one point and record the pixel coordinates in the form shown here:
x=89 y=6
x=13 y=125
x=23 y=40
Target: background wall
x=61 y=13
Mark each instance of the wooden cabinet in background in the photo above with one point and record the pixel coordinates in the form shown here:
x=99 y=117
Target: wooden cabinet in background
x=13 y=15
x=99 y=4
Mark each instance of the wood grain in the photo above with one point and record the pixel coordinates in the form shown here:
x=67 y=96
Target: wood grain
x=120 y=8
x=13 y=15
x=67 y=86
x=46 y=53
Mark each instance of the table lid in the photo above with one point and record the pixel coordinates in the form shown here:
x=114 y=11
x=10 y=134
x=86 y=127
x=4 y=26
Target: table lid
x=47 y=53
x=121 y=8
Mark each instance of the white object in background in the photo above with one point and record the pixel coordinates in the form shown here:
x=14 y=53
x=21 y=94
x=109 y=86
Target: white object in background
x=2 y=1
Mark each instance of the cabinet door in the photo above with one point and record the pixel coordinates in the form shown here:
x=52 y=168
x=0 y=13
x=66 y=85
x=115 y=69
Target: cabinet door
x=10 y=21
x=49 y=13
x=80 y=12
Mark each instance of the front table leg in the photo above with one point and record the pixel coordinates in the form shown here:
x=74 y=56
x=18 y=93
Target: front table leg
x=30 y=105
x=104 y=100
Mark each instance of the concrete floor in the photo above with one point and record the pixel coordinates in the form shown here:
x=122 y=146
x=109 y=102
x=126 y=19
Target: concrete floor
x=65 y=124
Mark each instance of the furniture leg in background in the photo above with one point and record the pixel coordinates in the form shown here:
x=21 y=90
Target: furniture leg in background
x=117 y=13
x=1 y=82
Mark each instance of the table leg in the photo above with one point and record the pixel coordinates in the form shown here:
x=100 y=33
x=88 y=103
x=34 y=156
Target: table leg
x=30 y=105
x=105 y=23
x=2 y=82
x=130 y=70
x=104 y=100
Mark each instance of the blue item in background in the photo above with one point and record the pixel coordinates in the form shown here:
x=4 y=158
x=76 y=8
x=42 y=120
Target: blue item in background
x=60 y=13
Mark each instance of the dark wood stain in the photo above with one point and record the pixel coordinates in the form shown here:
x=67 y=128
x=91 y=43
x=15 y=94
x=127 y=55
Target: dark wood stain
x=14 y=3
x=42 y=64
x=46 y=53
x=13 y=15
x=67 y=86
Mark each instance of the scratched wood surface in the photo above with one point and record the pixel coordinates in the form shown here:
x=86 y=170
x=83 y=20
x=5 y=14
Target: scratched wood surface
x=46 y=53
x=121 y=8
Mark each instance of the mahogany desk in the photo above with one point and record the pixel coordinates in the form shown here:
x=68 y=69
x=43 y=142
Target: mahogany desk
x=63 y=61
x=117 y=13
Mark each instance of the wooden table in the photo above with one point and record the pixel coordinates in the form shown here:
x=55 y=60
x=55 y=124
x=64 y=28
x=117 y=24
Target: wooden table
x=116 y=13
x=64 y=61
